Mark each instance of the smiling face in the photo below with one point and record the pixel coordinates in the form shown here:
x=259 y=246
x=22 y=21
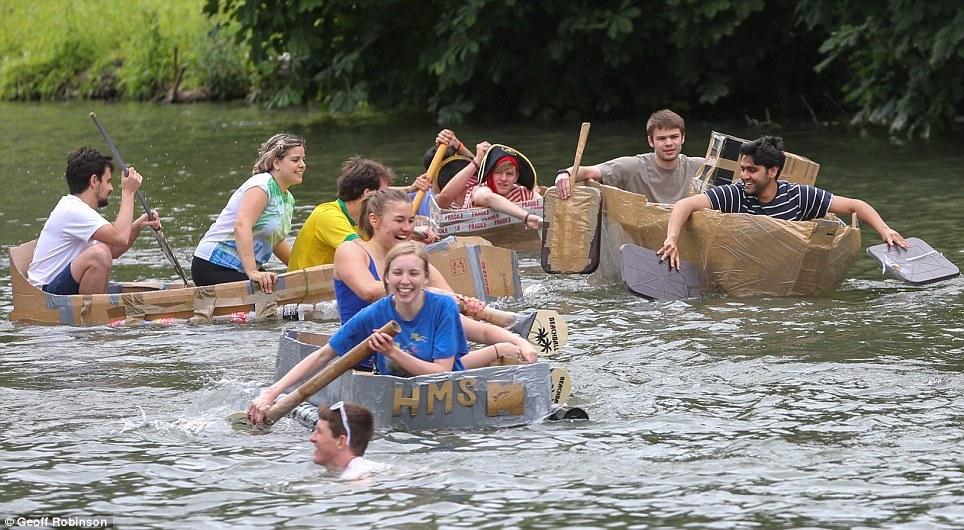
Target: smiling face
x=756 y=178
x=289 y=169
x=667 y=143
x=395 y=223
x=504 y=176
x=407 y=277
x=327 y=447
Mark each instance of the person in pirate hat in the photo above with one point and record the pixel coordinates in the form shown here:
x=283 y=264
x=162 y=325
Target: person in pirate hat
x=497 y=177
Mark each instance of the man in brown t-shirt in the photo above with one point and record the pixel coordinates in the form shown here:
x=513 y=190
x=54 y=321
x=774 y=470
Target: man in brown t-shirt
x=663 y=176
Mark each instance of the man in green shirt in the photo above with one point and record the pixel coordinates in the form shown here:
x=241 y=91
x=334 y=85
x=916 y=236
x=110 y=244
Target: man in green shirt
x=332 y=223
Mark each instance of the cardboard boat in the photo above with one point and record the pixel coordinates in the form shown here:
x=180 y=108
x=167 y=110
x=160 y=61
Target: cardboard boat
x=499 y=396
x=739 y=255
x=496 y=227
x=136 y=302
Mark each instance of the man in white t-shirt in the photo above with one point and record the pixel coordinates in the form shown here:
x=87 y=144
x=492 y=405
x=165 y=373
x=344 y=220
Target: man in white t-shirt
x=77 y=245
x=663 y=176
x=341 y=437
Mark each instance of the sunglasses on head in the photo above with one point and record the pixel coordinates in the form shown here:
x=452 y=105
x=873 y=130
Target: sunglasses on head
x=340 y=406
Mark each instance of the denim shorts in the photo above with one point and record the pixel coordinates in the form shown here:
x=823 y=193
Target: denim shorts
x=63 y=283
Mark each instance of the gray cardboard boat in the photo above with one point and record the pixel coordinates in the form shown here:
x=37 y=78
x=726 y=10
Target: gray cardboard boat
x=643 y=274
x=918 y=265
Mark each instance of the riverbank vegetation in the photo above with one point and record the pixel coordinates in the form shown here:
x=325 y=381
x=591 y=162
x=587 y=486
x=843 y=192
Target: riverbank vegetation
x=896 y=63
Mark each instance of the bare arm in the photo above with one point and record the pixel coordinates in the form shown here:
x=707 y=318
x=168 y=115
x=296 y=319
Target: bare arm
x=119 y=235
x=564 y=180
x=351 y=267
x=681 y=213
x=509 y=343
x=253 y=203
x=310 y=365
x=867 y=214
x=456 y=187
x=385 y=343
x=283 y=251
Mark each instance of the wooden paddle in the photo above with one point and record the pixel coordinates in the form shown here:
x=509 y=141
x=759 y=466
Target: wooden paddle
x=572 y=228
x=329 y=373
x=158 y=233
x=433 y=169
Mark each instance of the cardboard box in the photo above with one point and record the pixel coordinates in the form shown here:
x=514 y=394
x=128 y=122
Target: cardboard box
x=479 y=270
x=722 y=163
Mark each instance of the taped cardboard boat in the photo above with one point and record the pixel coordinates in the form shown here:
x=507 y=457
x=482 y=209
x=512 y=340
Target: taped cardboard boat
x=496 y=227
x=500 y=396
x=136 y=302
x=919 y=264
x=738 y=255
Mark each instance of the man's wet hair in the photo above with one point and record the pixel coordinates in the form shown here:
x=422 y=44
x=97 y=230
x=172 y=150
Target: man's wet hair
x=360 y=421
x=359 y=174
x=81 y=164
x=766 y=151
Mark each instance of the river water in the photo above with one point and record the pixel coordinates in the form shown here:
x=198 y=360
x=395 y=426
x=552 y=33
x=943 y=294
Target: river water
x=837 y=412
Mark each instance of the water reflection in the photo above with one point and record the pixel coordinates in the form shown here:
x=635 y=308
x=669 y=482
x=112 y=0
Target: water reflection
x=839 y=411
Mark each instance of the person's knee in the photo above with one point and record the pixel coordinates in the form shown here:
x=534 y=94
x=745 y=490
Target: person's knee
x=98 y=257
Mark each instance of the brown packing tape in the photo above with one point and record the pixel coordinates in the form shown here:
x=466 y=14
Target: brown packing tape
x=572 y=226
x=738 y=254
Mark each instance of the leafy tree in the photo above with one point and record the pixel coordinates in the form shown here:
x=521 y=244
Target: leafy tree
x=906 y=59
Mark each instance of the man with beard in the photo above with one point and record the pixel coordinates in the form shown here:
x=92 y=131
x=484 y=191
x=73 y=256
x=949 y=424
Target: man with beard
x=761 y=193
x=77 y=245
x=663 y=176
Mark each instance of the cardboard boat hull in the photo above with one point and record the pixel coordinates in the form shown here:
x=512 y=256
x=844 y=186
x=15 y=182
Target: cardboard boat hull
x=484 y=397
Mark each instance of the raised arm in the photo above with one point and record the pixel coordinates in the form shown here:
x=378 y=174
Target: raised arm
x=681 y=213
x=867 y=214
x=455 y=187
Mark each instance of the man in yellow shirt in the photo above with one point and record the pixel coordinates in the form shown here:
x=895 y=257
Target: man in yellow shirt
x=332 y=223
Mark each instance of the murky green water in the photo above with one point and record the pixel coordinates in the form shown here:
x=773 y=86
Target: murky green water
x=837 y=412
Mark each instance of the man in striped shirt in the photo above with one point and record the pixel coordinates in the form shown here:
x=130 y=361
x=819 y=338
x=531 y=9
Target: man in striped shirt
x=761 y=193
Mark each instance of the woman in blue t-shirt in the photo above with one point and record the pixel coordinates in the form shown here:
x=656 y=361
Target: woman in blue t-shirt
x=431 y=341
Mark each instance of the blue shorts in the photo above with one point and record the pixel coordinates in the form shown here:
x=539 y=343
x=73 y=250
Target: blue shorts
x=63 y=283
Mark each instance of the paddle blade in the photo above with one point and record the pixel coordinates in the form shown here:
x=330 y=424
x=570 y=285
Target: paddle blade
x=643 y=274
x=571 y=231
x=561 y=385
x=239 y=421
x=918 y=265
x=548 y=332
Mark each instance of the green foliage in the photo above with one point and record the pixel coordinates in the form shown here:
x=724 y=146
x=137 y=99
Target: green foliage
x=537 y=60
x=905 y=59
x=50 y=49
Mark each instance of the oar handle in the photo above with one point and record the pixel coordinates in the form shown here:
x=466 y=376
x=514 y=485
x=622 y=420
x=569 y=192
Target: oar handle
x=498 y=317
x=123 y=167
x=433 y=170
x=158 y=233
x=328 y=374
x=580 y=147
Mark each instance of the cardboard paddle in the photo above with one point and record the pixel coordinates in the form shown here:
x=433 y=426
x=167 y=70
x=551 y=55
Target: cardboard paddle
x=329 y=373
x=643 y=274
x=544 y=328
x=433 y=169
x=919 y=264
x=572 y=228
x=158 y=232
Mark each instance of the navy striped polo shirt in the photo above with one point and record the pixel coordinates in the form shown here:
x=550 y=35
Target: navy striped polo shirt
x=793 y=202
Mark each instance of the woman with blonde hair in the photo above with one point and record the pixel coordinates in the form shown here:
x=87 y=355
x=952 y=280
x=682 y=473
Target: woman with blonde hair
x=256 y=220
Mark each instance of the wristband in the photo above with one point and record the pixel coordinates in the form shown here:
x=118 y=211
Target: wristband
x=563 y=172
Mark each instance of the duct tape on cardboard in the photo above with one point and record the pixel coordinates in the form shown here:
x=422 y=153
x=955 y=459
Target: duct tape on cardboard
x=738 y=255
x=484 y=397
x=571 y=227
